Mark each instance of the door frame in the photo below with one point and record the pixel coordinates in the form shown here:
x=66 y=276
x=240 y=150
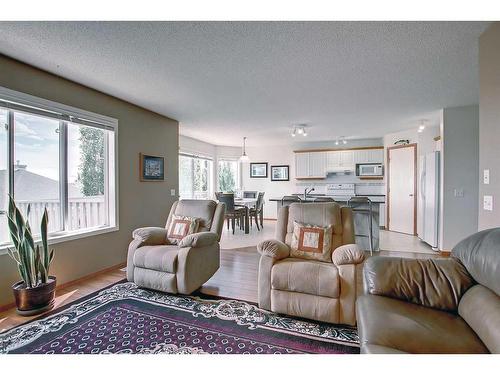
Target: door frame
x=389 y=149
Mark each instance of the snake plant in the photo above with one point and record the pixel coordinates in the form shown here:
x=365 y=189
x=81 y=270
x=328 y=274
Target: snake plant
x=33 y=261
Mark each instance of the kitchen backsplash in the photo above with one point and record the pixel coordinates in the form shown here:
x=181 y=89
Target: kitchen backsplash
x=363 y=187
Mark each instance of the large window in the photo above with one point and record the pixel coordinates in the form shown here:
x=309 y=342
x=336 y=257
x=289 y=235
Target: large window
x=227 y=175
x=195 y=180
x=60 y=159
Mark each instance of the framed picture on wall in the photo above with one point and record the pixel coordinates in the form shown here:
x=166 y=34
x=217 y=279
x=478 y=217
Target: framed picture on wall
x=152 y=168
x=280 y=173
x=258 y=170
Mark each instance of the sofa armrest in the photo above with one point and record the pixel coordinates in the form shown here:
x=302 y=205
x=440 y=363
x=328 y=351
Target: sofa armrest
x=150 y=236
x=200 y=239
x=435 y=283
x=347 y=254
x=274 y=249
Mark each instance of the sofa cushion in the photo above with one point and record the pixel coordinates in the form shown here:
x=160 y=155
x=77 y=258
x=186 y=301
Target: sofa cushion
x=404 y=326
x=480 y=308
x=202 y=209
x=311 y=242
x=436 y=283
x=180 y=227
x=306 y=276
x=480 y=254
x=316 y=214
x=158 y=258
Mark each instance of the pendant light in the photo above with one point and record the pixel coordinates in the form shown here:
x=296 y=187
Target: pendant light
x=244 y=157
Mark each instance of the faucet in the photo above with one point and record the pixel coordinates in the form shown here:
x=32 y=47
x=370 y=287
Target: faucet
x=307 y=192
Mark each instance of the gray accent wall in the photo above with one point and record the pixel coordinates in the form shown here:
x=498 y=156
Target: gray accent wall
x=460 y=171
x=140 y=203
x=489 y=123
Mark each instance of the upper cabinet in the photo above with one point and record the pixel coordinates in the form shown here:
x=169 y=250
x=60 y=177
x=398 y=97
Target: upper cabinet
x=317 y=164
x=375 y=155
x=310 y=165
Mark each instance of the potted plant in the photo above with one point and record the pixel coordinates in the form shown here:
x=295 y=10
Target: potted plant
x=35 y=293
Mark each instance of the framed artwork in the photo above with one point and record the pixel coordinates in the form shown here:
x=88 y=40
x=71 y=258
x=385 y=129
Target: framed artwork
x=258 y=170
x=152 y=168
x=280 y=173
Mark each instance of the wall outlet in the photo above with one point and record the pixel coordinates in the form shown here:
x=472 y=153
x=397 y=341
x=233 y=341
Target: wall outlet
x=488 y=202
x=459 y=193
x=486 y=176
x=172 y=192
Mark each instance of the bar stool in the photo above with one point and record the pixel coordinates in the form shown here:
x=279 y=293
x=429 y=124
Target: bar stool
x=354 y=204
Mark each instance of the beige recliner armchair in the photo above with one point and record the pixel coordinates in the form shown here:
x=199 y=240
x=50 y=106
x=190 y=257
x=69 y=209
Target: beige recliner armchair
x=324 y=291
x=154 y=263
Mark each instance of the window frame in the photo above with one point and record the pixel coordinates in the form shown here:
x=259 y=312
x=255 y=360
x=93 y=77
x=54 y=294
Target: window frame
x=238 y=170
x=210 y=172
x=16 y=101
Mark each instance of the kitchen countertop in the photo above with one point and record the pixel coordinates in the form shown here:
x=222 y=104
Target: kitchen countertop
x=312 y=197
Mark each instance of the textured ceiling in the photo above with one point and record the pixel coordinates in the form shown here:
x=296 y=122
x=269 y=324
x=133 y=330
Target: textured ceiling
x=226 y=80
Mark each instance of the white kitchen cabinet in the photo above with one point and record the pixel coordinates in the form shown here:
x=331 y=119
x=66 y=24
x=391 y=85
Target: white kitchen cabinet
x=317 y=164
x=347 y=158
x=381 y=217
x=332 y=160
x=376 y=155
x=302 y=165
x=310 y=165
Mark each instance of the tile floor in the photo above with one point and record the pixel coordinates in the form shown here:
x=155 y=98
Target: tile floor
x=389 y=241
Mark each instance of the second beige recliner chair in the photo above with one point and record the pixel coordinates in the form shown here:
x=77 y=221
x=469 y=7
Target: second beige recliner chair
x=318 y=290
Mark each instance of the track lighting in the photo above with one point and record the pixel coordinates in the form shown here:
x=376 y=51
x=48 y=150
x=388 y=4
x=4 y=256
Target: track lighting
x=299 y=129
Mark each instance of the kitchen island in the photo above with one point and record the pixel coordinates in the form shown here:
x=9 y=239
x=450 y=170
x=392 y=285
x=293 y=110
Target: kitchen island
x=361 y=221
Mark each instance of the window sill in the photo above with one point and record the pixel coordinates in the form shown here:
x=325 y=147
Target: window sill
x=75 y=235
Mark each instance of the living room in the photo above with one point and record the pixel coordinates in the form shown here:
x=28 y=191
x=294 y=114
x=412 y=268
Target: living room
x=250 y=187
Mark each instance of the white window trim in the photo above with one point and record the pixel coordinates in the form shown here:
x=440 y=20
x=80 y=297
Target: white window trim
x=69 y=111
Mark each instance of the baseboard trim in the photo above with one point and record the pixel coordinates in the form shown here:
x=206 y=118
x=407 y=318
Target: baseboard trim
x=9 y=306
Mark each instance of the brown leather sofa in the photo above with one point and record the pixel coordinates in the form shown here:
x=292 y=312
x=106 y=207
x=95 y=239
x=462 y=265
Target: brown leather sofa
x=324 y=291
x=445 y=305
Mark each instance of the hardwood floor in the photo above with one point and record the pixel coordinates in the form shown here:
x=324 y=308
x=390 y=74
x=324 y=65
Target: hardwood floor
x=236 y=278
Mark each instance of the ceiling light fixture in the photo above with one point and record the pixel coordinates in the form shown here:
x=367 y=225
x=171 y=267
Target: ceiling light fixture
x=340 y=139
x=422 y=126
x=244 y=157
x=299 y=129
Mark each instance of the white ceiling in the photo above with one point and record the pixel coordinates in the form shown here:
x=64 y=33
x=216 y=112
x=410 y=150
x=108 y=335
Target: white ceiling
x=226 y=80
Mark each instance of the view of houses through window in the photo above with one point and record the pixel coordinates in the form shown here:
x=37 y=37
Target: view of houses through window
x=74 y=188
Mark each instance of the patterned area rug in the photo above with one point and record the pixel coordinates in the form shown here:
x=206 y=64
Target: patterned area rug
x=126 y=319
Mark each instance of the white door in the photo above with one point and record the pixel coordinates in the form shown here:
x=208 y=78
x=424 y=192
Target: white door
x=402 y=189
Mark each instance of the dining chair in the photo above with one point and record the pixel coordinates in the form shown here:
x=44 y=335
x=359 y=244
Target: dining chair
x=256 y=212
x=250 y=194
x=233 y=213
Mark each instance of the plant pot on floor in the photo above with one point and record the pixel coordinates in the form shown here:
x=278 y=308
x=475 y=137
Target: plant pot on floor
x=33 y=301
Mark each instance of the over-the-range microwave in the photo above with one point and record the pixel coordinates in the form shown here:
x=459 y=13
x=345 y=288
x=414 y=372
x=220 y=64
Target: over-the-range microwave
x=369 y=170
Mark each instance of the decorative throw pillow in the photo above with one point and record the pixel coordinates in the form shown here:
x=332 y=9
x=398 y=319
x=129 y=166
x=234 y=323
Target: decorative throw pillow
x=180 y=227
x=310 y=242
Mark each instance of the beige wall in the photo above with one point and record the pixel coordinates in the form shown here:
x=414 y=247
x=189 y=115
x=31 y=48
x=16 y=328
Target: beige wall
x=140 y=203
x=489 y=123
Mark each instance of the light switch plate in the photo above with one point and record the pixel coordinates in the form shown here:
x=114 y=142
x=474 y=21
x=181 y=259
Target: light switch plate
x=459 y=193
x=172 y=192
x=486 y=176
x=488 y=202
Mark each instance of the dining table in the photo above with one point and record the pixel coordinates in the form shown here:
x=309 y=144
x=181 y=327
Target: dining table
x=248 y=203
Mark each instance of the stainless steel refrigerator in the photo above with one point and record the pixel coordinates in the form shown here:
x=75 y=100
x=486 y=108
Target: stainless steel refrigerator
x=428 y=199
